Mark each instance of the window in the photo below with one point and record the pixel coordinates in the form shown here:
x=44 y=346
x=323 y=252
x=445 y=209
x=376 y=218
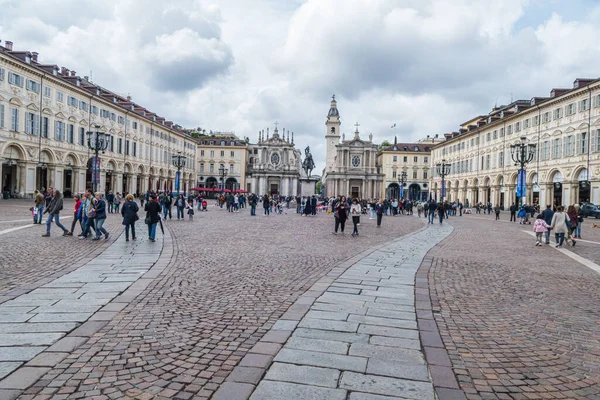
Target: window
x=556 y=148
x=222 y=153
x=71 y=133
x=121 y=120
x=509 y=130
x=355 y=161
x=415 y=159
x=489 y=136
x=415 y=174
x=212 y=153
x=425 y=159
x=201 y=167
x=127 y=147
x=546 y=117
x=1 y=74
x=232 y=154
x=83 y=106
x=33 y=86
x=95 y=110
x=570 y=109
x=536 y=120
x=395 y=158
x=584 y=105
x=32 y=123
x=134 y=149
x=517 y=127
x=104 y=113
x=487 y=161
x=222 y=143
x=135 y=125
x=545 y=150
x=113 y=116
x=1 y=115
x=394 y=174
x=558 y=113
x=14 y=119
x=59 y=131
x=15 y=79
x=111 y=145
x=526 y=123
x=595 y=139
x=60 y=97
x=424 y=174
x=47 y=92
x=569 y=146
x=405 y=159
x=119 y=145
x=72 y=101
x=81 y=136
x=581 y=143
x=201 y=153
x=45 y=127
x=495 y=135
x=212 y=167
x=231 y=168
x=501 y=159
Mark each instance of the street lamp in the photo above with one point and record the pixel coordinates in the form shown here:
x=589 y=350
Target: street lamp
x=522 y=154
x=97 y=142
x=443 y=169
x=223 y=173
x=178 y=161
x=401 y=181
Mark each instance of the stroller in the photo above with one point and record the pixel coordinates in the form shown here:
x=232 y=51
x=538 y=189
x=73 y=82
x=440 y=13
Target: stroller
x=204 y=205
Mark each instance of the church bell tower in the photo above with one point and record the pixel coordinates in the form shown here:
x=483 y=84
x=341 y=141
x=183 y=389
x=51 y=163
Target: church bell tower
x=332 y=135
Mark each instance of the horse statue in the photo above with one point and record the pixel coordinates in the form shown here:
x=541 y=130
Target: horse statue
x=308 y=164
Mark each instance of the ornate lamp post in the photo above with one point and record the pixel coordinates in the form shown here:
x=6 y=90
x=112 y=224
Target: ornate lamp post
x=223 y=173
x=97 y=142
x=443 y=169
x=522 y=154
x=402 y=182
x=178 y=162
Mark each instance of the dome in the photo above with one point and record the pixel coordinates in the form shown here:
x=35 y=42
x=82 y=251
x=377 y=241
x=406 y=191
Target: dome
x=333 y=112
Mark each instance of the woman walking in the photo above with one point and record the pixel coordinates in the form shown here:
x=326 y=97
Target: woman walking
x=341 y=214
x=76 y=215
x=379 y=209
x=129 y=213
x=441 y=211
x=573 y=222
x=559 y=225
x=152 y=209
x=100 y=217
x=355 y=211
x=266 y=203
x=53 y=209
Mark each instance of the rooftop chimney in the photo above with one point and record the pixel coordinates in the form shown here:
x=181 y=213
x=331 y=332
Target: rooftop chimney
x=87 y=78
x=8 y=45
x=34 y=56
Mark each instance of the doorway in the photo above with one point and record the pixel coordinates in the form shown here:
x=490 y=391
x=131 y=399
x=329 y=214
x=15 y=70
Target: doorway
x=68 y=180
x=413 y=192
x=558 y=194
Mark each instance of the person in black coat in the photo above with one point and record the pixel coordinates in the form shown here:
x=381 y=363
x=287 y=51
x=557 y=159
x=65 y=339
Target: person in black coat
x=266 y=203
x=152 y=209
x=313 y=205
x=129 y=214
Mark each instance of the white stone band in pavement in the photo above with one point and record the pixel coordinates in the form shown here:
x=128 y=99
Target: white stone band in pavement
x=359 y=339
x=39 y=320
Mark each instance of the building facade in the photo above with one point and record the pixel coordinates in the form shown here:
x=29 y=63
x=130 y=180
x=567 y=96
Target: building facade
x=412 y=159
x=221 y=152
x=274 y=165
x=45 y=114
x=565 y=127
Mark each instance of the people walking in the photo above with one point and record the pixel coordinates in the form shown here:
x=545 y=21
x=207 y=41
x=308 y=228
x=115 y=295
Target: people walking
x=579 y=222
x=539 y=227
x=117 y=203
x=573 y=222
x=355 y=211
x=441 y=210
x=379 y=209
x=547 y=214
x=341 y=214
x=513 y=213
x=559 y=225
x=432 y=208
x=266 y=204
x=129 y=212
x=497 y=211
x=110 y=198
x=100 y=217
x=54 y=208
x=180 y=204
x=252 y=200
x=76 y=215
x=38 y=207
x=152 y=209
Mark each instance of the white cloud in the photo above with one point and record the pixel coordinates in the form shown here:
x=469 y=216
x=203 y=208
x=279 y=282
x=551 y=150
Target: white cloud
x=426 y=65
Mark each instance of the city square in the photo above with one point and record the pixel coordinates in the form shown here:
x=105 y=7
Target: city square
x=299 y=200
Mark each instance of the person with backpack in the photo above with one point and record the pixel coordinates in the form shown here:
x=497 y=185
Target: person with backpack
x=180 y=204
x=100 y=217
x=53 y=210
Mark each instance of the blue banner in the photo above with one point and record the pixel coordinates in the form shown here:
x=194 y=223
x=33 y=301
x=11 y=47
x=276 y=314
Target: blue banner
x=444 y=189
x=401 y=192
x=177 y=181
x=96 y=170
x=521 y=183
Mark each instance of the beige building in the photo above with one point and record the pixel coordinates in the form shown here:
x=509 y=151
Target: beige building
x=565 y=127
x=45 y=113
x=221 y=151
x=351 y=165
x=413 y=160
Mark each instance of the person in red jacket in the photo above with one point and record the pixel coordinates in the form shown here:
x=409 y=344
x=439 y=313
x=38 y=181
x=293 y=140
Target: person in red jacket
x=76 y=215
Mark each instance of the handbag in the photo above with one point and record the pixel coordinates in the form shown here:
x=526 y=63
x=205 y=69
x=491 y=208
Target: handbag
x=136 y=217
x=148 y=221
x=92 y=213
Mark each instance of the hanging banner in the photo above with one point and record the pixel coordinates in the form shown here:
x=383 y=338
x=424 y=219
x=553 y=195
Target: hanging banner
x=443 y=189
x=177 y=181
x=521 y=183
x=402 y=191
x=96 y=170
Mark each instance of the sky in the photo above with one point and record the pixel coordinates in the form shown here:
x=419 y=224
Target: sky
x=240 y=65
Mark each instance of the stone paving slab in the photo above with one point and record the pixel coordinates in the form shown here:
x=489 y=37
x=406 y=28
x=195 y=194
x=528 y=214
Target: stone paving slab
x=359 y=338
x=33 y=323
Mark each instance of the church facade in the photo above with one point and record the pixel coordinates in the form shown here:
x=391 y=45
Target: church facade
x=274 y=165
x=351 y=165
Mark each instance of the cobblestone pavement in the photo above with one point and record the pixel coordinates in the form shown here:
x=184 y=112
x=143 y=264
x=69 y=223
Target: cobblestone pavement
x=518 y=321
x=231 y=277
x=26 y=257
x=359 y=339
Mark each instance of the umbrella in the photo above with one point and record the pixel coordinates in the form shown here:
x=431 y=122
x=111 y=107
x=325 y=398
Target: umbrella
x=162 y=229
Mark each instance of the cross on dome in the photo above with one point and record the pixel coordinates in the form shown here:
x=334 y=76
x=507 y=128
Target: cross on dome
x=356 y=125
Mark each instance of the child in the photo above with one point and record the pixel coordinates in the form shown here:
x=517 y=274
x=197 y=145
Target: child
x=204 y=205
x=539 y=227
x=355 y=211
x=190 y=209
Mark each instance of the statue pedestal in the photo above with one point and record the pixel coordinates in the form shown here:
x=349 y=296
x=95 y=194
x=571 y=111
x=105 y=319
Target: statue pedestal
x=308 y=186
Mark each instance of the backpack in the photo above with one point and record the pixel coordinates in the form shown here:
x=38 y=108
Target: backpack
x=426 y=206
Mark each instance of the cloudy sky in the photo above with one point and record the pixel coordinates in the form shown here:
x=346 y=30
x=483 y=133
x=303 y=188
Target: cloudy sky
x=240 y=65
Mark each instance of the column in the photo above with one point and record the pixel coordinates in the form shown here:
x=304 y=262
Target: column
x=284 y=186
x=21 y=178
x=133 y=184
x=81 y=179
x=117 y=183
x=51 y=178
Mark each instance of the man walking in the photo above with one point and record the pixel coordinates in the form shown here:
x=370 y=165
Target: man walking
x=53 y=210
x=513 y=213
x=432 y=208
x=548 y=214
